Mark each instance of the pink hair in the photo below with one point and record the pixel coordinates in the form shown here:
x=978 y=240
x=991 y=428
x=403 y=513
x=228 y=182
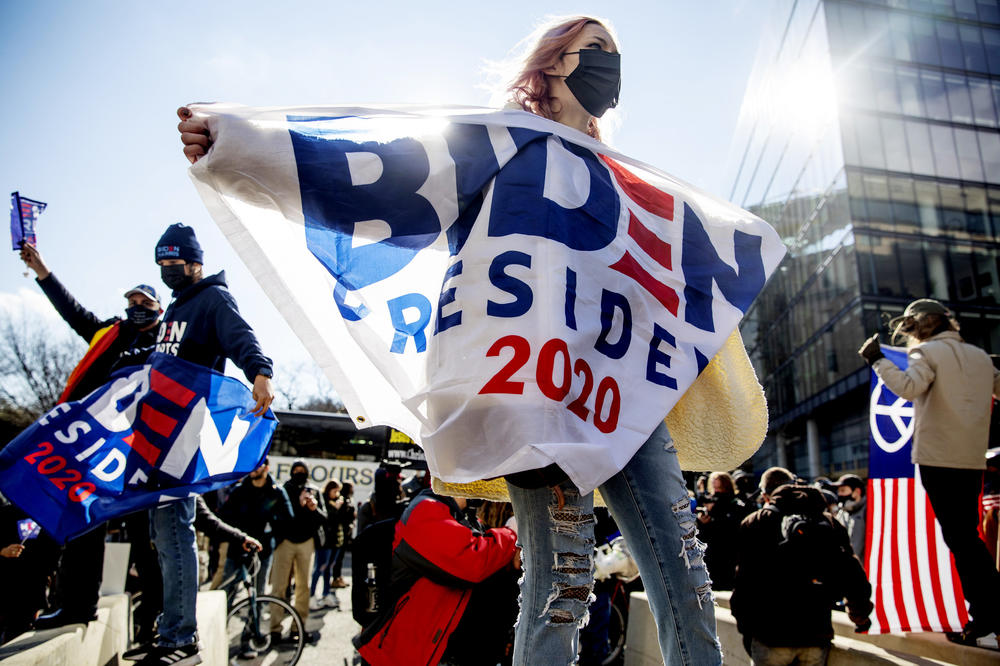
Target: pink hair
x=530 y=88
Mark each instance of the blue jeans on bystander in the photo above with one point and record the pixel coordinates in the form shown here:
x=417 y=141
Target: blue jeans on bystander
x=172 y=529
x=321 y=569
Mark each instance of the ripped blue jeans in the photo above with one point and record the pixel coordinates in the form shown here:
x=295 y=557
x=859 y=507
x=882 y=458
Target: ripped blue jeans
x=649 y=501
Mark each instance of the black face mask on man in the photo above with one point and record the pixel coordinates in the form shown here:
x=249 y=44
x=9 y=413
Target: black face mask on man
x=141 y=316
x=300 y=478
x=174 y=276
x=596 y=81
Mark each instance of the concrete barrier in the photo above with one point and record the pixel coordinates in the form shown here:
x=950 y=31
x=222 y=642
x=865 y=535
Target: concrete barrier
x=52 y=647
x=212 y=628
x=849 y=649
x=102 y=641
x=98 y=642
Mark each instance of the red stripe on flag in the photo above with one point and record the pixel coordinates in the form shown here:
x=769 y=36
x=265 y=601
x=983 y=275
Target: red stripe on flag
x=651 y=244
x=169 y=389
x=932 y=557
x=876 y=577
x=869 y=523
x=650 y=198
x=142 y=446
x=158 y=422
x=628 y=266
x=918 y=592
x=897 y=583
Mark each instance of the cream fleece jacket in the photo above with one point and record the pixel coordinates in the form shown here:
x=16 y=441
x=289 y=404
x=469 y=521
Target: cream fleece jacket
x=950 y=383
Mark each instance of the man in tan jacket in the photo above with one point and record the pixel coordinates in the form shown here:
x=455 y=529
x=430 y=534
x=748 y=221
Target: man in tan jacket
x=950 y=383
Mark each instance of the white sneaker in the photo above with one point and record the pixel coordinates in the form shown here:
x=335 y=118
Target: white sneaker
x=331 y=601
x=316 y=603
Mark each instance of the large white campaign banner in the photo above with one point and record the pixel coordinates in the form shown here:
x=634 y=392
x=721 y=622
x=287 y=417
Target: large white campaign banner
x=505 y=290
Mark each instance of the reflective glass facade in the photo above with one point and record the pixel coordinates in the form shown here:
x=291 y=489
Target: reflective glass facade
x=870 y=138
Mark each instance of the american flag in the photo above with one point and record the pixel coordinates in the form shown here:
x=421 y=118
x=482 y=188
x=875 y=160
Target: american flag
x=915 y=586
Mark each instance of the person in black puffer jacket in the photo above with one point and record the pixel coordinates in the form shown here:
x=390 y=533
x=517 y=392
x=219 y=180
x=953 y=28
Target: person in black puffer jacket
x=794 y=561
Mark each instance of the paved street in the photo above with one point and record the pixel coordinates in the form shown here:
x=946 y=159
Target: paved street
x=336 y=628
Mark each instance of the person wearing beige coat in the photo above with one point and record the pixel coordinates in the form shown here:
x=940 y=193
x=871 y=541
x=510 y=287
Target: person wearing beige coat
x=951 y=384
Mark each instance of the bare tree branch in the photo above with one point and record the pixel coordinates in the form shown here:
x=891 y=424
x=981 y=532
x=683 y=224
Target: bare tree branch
x=35 y=363
x=304 y=386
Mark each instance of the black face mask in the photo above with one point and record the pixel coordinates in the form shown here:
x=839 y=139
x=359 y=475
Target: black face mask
x=174 y=276
x=596 y=81
x=141 y=316
x=300 y=478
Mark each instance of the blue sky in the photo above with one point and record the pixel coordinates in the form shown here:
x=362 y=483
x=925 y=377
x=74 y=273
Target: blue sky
x=89 y=124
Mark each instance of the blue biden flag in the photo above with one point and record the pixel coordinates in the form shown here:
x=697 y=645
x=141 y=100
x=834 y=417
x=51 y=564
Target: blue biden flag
x=152 y=434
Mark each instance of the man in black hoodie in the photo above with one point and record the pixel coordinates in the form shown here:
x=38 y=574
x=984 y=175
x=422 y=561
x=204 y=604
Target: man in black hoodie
x=794 y=561
x=260 y=507
x=202 y=325
x=114 y=343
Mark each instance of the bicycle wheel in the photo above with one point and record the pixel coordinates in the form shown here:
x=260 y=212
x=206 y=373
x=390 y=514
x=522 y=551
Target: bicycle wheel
x=617 y=623
x=248 y=628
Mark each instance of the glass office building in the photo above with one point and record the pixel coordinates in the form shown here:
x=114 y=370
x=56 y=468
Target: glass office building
x=869 y=139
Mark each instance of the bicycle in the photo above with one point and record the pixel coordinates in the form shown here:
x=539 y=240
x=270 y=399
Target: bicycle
x=619 y=576
x=248 y=622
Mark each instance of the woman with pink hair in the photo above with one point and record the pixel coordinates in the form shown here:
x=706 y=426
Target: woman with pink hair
x=571 y=75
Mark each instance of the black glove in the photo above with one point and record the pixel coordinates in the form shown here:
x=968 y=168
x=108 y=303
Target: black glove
x=861 y=624
x=871 y=351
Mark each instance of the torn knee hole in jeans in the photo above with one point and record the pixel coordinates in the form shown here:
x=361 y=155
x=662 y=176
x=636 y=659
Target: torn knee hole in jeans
x=704 y=593
x=572 y=563
x=577 y=598
x=692 y=549
x=568 y=519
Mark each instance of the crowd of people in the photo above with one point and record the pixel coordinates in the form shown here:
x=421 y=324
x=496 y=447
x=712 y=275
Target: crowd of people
x=451 y=580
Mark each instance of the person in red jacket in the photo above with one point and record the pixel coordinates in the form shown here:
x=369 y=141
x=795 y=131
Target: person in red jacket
x=439 y=557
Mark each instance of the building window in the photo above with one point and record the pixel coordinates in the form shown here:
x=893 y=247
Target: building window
x=972 y=48
x=982 y=102
x=869 y=141
x=919 y=143
x=958 y=98
x=909 y=91
x=929 y=205
x=905 y=213
x=989 y=145
x=899 y=28
x=936 y=256
x=935 y=98
x=951 y=46
x=924 y=42
x=989 y=11
x=969 y=162
x=991 y=38
x=945 y=159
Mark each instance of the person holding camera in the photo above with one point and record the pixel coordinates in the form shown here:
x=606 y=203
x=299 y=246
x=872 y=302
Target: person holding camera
x=794 y=561
x=295 y=550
